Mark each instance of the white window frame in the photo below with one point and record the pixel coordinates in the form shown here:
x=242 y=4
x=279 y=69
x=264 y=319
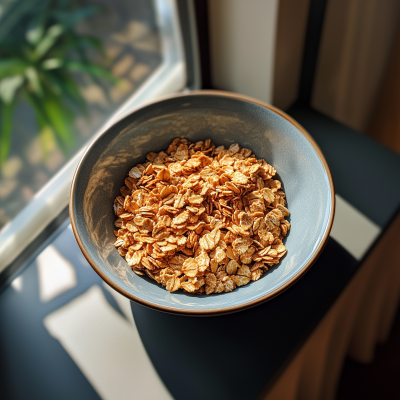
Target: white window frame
x=53 y=198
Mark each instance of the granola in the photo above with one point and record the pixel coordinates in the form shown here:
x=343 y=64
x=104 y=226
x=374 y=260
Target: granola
x=201 y=218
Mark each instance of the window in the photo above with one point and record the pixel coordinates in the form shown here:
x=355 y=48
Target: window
x=135 y=52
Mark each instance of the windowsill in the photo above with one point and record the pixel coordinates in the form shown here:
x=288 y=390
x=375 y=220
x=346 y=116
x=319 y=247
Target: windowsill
x=49 y=202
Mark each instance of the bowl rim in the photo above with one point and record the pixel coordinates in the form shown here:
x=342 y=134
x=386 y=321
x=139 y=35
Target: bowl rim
x=224 y=309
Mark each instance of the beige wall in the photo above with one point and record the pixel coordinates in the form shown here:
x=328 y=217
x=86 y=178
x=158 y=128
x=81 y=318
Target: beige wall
x=242 y=42
x=257 y=46
x=292 y=20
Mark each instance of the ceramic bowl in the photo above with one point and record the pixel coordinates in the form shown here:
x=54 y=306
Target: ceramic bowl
x=226 y=118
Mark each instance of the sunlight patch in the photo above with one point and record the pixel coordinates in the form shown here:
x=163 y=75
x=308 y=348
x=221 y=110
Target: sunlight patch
x=56 y=274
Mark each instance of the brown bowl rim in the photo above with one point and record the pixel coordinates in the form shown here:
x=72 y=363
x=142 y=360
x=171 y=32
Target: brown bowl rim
x=222 y=310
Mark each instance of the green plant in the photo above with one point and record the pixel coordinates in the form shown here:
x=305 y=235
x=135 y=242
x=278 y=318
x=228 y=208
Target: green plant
x=41 y=52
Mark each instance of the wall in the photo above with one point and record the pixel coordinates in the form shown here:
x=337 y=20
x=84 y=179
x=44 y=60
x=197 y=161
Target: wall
x=257 y=45
x=242 y=46
x=291 y=27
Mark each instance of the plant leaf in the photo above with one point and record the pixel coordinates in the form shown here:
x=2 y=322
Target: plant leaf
x=13 y=13
x=91 y=69
x=52 y=63
x=87 y=42
x=80 y=43
x=46 y=137
x=12 y=66
x=70 y=18
x=5 y=134
x=34 y=34
x=33 y=78
x=35 y=29
x=91 y=41
x=37 y=23
x=48 y=41
x=59 y=117
x=52 y=113
x=9 y=86
x=84 y=60
x=69 y=89
x=46 y=78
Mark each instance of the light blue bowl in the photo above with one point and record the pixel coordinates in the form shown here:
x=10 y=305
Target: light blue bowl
x=226 y=118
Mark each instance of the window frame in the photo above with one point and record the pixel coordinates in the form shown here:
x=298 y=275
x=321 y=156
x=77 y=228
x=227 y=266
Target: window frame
x=176 y=23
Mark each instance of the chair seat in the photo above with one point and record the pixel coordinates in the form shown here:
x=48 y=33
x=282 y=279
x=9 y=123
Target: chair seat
x=365 y=173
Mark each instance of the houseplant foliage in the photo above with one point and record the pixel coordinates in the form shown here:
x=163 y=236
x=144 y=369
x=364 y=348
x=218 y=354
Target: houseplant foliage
x=41 y=54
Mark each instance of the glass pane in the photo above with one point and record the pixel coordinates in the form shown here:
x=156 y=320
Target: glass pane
x=65 y=68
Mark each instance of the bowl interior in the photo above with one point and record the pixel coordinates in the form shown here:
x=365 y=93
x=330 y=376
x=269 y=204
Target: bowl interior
x=225 y=120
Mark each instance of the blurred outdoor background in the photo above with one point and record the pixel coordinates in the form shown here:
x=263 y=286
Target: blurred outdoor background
x=65 y=67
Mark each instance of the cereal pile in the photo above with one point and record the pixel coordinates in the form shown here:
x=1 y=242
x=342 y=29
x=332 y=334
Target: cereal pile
x=201 y=218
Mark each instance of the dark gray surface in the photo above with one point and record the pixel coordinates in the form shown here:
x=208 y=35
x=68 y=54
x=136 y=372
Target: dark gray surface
x=247 y=350
x=34 y=365
x=234 y=356
x=225 y=120
x=360 y=166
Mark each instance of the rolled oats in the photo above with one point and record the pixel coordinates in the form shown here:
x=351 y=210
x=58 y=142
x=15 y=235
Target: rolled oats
x=201 y=218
